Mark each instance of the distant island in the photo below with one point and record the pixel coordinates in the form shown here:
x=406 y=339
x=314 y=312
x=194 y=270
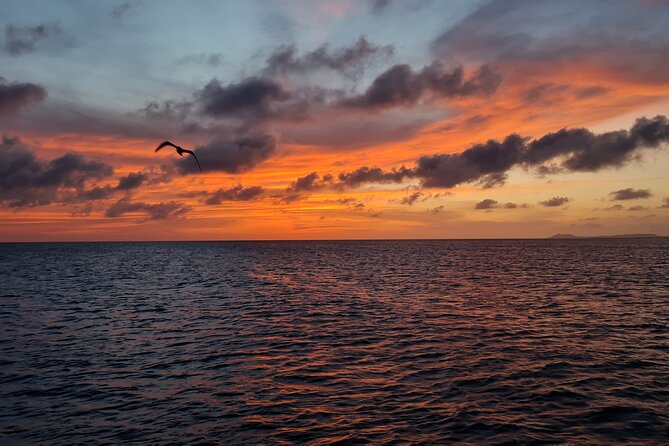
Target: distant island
x=605 y=236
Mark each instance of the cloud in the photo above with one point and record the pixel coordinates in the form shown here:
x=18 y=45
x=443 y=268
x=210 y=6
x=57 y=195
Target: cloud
x=412 y=198
x=231 y=154
x=15 y=95
x=615 y=207
x=254 y=99
x=485 y=162
x=488 y=203
x=400 y=85
x=132 y=181
x=236 y=193
x=637 y=208
x=350 y=202
x=555 y=202
x=488 y=163
x=665 y=202
x=627 y=38
x=26 y=180
x=157 y=211
x=630 y=194
x=349 y=61
x=373 y=175
x=123 y=9
x=436 y=210
x=25 y=39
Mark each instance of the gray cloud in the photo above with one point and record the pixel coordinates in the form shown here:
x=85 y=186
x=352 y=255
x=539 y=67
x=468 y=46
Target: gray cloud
x=487 y=164
x=235 y=193
x=255 y=99
x=349 y=61
x=25 y=39
x=132 y=181
x=410 y=199
x=157 y=211
x=15 y=95
x=488 y=203
x=630 y=194
x=400 y=85
x=373 y=175
x=555 y=202
x=626 y=37
x=26 y=180
x=231 y=154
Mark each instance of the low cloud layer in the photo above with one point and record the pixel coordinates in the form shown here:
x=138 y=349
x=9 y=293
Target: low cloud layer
x=555 y=202
x=235 y=193
x=630 y=194
x=26 y=180
x=16 y=95
x=152 y=211
x=487 y=164
x=489 y=203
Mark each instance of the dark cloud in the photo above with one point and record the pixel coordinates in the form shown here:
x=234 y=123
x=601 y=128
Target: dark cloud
x=487 y=164
x=615 y=207
x=349 y=61
x=236 y=193
x=231 y=155
x=630 y=194
x=25 y=39
x=665 y=202
x=555 y=202
x=373 y=175
x=637 y=208
x=16 y=95
x=350 y=202
x=26 y=180
x=586 y=151
x=400 y=85
x=510 y=205
x=436 y=210
x=488 y=203
x=255 y=99
x=311 y=182
x=409 y=200
x=132 y=181
x=157 y=211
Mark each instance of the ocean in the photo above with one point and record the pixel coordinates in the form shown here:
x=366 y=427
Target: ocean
x=335 y=342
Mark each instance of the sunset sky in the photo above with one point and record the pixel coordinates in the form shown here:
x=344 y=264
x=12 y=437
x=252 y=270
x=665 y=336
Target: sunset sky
x=333 y=119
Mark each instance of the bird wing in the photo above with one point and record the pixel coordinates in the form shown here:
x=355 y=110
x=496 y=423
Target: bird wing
x=165 y=143
x=193 y=153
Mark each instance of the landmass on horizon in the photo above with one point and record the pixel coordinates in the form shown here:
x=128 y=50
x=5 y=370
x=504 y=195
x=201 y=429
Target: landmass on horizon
x=607 y=236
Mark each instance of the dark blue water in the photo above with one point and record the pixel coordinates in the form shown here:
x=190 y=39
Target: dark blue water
x=394 y=342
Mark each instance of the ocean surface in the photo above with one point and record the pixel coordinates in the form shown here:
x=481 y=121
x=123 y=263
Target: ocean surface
x=384 y=342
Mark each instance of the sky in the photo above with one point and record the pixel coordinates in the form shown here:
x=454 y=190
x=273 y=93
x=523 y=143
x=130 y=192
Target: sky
x=350 y=119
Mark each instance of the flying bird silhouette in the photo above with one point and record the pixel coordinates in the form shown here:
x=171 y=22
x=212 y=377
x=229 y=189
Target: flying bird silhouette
x=180 y=151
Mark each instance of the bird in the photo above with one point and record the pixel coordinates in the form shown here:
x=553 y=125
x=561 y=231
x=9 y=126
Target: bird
x=180 y=151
